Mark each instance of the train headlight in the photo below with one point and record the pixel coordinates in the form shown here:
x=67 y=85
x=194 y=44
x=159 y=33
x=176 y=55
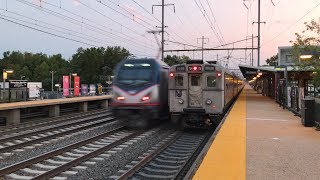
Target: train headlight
x=180 y=101
x=208 y=102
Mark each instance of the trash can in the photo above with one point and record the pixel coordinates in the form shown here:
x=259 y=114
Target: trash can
x=307 y=112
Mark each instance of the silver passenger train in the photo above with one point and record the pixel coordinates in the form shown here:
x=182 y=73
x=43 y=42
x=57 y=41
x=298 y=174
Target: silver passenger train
x=199 y=93
x=140 y=91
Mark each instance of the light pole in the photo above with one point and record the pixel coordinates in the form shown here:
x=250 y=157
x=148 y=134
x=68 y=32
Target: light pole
x=5 y=73
x=52 y=72
x=71 y=74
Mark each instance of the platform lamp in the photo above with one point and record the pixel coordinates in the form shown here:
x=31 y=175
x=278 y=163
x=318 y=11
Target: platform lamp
x=5 y=73
x=70 y=78
x=307 y=55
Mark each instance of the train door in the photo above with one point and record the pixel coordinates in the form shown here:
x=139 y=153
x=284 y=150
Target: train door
x=195 y=90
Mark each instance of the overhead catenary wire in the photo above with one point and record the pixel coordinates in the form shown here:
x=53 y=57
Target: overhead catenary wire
x=36 y=23
x=99 y=24
x=108 y=6
x=212 y=24
x=104 y=15
x=205 y=17
x=293 y=24
x=79 y=22
x=131 y=13
x=67 y=36
x=146 y=11
x=64 y=37
x=215 y=20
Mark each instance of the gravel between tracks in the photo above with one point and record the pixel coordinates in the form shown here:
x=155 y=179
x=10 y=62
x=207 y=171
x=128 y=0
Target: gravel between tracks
x=110 y=166
x=53 y=145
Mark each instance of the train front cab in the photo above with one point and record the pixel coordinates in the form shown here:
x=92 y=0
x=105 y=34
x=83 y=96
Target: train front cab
x=137 y=101
x=196 y=94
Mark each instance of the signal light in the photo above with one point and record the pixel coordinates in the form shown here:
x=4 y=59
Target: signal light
x=120 y=98
x=171 y=74
x=219 y=74
x=145 y=98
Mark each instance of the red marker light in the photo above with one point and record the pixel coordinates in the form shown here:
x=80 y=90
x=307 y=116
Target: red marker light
x=219 y=74
x=145 y=98
x=171 y=75
x=195 y=68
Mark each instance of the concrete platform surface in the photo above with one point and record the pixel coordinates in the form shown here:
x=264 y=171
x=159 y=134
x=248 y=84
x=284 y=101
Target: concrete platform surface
x=261 y=141
x=25 y=104
x=278 y=145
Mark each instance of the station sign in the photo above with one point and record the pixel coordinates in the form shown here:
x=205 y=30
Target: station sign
x=13 y=84
x=251 y=72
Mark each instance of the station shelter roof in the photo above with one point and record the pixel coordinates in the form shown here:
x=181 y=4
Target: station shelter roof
x=249 y=72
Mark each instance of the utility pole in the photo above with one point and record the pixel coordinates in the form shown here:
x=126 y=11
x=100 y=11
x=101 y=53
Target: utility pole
x=52 y=72
x=259 y=22
x=252 y=52
x=202 y=46
x=162 y=26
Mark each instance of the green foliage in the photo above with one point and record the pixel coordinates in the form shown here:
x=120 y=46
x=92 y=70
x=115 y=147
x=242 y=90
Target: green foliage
x=172 y=60
x=272 y=61
x=308 y=42
x=93 y=65
x=96 y=64
x=34 y=67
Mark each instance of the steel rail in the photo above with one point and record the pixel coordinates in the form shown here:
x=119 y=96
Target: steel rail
x=148 y=158
x=86 y=157
x=50 y=128
x=184 y=168
x=37 y=159
x=20 y=145
x=42 y=122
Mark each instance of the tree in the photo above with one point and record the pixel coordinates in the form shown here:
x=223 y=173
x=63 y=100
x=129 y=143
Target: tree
x=272 y=61
x=172 y=60
x=94 y=65
x=34 y=67
x=308 y=42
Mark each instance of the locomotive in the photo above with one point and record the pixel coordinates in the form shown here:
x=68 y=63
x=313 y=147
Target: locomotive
x=140 y=91
x=200 y=92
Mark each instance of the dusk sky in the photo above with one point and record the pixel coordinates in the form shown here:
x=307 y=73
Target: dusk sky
x=62 y=26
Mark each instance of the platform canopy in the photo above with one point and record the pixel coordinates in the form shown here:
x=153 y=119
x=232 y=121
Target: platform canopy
x=249 y=72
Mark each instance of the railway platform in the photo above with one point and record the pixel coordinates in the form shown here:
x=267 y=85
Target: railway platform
x=260 y=140
x=12 y=111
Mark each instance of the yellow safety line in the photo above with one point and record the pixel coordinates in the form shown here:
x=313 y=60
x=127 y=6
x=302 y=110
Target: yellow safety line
x=226 y=158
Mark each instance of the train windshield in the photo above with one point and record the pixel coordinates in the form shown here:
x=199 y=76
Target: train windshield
x=135 y=73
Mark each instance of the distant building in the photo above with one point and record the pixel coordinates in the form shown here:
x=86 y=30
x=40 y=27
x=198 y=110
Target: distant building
x=285 y=56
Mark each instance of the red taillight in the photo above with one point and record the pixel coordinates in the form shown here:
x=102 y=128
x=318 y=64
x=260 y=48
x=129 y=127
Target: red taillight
x=171 y=74
x=120 y=98
x=219 y=74
x=195 y=68
x=145 y=98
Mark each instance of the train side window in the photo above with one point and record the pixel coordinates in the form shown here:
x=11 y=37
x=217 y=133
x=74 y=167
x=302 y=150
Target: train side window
x=179 y=80
x=195 y=80
x=211 y=81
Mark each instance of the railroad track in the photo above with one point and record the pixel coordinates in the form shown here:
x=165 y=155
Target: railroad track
x=76 y=156
x=69 y=160
x=29 y=126
x=28 y=140
x=170 y=159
